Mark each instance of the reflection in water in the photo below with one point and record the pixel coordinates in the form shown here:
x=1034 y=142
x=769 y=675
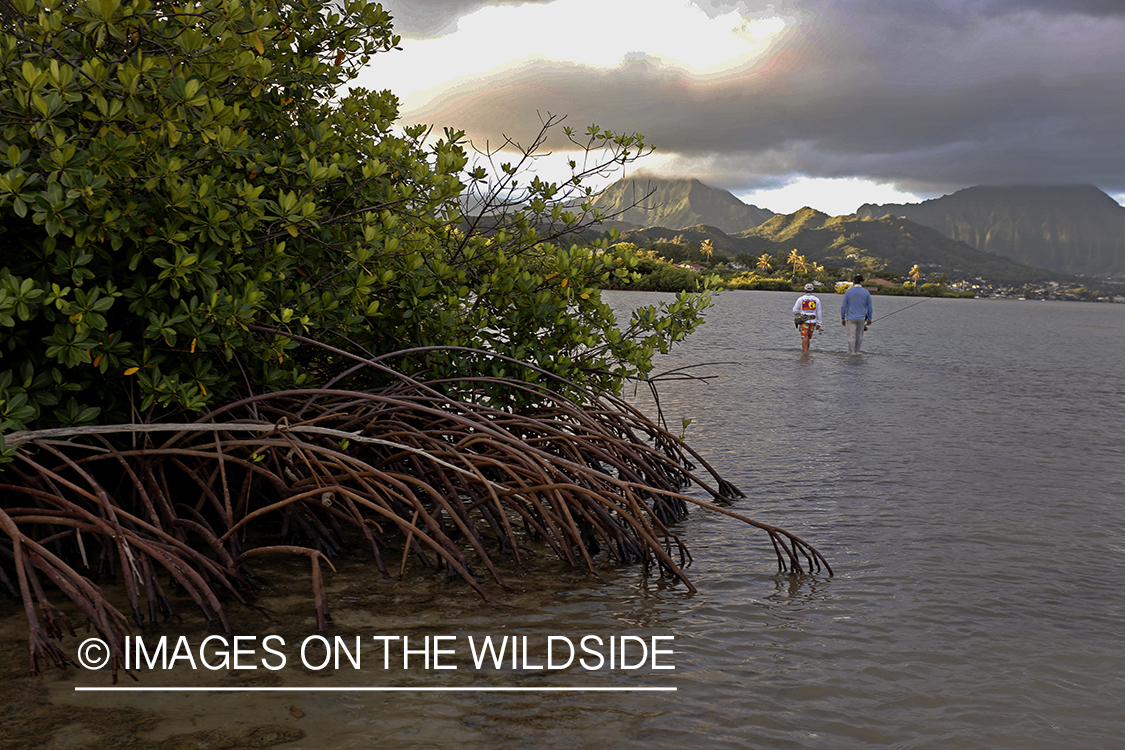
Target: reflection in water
x=966 y=487
x=795 y=592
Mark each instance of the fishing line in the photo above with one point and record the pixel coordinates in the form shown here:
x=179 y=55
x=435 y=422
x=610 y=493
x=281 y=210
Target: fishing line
x=896 y=312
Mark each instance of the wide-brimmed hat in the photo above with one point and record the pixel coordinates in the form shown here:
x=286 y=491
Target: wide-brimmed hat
x=809 y=287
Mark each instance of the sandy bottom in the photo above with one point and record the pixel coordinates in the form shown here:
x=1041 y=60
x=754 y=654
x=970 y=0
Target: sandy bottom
x=46 y=712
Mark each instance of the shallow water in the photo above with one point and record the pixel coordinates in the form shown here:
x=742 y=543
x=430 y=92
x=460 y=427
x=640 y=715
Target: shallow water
x=964 y=476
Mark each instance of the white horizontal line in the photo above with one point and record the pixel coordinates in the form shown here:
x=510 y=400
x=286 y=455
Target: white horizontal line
x=128 y=689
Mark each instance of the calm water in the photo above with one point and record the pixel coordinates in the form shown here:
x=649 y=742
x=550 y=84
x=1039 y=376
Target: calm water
x=965 y=476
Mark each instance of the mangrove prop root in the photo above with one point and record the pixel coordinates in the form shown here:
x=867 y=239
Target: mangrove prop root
x=428 y=472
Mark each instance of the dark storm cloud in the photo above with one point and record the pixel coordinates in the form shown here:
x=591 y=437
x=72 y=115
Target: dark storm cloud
x=932 y=96
x=1056 y=7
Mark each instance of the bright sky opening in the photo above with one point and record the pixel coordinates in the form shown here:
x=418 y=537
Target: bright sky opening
x=596 y=33
x=835 y=197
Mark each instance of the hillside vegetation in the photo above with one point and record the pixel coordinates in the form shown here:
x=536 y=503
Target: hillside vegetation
x=1077 y=230
x=885 y=245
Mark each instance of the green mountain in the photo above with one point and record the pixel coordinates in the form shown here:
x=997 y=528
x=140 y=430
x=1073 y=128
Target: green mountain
x=1075 y=230
x=888 y=244
x=676 y=204
x=726 y=246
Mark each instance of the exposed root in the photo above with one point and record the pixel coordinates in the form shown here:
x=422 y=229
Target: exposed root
x=427 y=472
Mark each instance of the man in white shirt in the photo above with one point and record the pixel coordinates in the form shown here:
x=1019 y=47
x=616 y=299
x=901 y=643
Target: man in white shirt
x=806 y=316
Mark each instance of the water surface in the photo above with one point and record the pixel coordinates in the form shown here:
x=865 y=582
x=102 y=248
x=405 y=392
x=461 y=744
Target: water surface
x=964 y=476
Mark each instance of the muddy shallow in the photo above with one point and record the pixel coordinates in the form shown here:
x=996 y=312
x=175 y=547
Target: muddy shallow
x=548 y=599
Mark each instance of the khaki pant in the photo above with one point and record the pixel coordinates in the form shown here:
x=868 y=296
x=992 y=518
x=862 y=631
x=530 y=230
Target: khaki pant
x=854 y=330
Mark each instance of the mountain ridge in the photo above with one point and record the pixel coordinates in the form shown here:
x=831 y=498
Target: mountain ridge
x=1070 y=229
x=677 y=203
x=886 y=244
x=1075 y=229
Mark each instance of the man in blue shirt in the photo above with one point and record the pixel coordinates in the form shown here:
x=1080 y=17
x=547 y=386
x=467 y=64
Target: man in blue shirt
x=856 y=313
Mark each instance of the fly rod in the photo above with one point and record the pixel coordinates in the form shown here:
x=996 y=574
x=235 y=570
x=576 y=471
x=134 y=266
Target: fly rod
x=896 y=312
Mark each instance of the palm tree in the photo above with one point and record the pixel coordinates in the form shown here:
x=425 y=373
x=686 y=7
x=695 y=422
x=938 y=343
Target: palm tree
x=915 y=273
x=793 y=258
x=800 y=265
x=765 y=261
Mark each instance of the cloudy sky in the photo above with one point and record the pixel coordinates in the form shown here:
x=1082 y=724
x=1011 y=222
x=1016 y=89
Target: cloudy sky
x=787 y=103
